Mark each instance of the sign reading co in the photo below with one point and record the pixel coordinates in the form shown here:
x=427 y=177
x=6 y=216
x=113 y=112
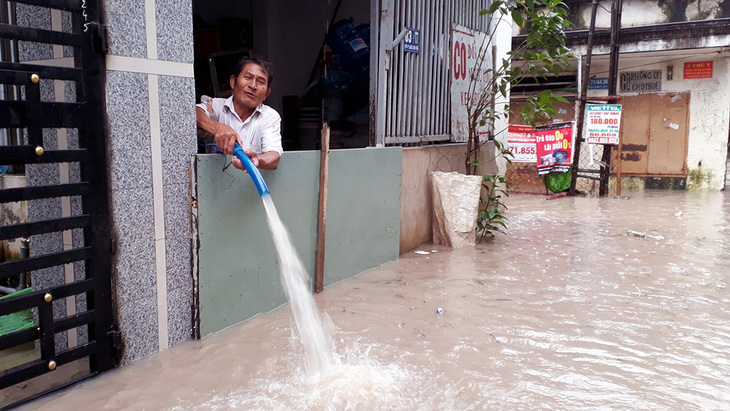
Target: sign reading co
x=640 y=81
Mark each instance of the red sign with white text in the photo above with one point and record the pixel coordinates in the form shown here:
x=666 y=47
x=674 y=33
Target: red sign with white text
x=698 y=69
x=554 y=148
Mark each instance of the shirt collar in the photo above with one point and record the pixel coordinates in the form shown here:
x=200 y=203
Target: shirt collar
x=229 y=104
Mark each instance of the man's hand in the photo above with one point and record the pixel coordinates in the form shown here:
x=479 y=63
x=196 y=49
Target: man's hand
x=226 y=138
x=252 y=154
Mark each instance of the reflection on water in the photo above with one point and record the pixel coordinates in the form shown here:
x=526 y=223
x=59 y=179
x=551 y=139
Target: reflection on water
x=565 y=312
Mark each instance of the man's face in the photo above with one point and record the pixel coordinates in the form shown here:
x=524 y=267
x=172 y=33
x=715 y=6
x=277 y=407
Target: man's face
x=251 y=86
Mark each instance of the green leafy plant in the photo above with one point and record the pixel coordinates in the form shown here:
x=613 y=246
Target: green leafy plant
x=491 y=218
x=542 y=53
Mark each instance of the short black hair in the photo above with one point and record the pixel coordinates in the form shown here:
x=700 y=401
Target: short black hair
x=267 y=66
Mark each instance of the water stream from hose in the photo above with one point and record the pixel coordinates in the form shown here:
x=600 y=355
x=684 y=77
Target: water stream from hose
x=312 y=328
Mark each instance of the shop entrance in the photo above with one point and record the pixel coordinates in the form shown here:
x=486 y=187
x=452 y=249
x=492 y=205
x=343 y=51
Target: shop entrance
x=655 y=135
x=318 y=77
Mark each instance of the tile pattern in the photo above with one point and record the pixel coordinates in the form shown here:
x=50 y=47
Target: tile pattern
x=126 y=27
x=174 y=30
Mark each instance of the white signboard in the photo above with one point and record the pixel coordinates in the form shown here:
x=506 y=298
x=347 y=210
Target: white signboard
x=469 y=60
x=603 y=123
x=521 y=143
x=641 y=81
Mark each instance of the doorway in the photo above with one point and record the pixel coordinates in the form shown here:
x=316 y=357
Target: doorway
x=655 y=135
x=319 y=77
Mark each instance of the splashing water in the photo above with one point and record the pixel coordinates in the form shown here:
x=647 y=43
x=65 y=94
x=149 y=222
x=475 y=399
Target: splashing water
x=316 y=338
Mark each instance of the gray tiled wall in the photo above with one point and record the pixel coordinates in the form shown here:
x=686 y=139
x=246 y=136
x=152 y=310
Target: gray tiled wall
x=175 y=30
x=179 y=143
x=125 y=21
x=131 y=182
x=132 y=210
x=128 y=114
x=177 y=114
x=35 y=17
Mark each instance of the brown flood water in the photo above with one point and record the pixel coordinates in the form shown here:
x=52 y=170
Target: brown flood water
x=565 y=312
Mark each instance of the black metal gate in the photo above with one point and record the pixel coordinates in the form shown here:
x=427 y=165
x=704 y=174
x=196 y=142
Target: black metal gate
x=56 y=145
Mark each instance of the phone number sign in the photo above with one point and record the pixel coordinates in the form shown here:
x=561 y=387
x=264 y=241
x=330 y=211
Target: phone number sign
x=521 y=143
x=603 y=123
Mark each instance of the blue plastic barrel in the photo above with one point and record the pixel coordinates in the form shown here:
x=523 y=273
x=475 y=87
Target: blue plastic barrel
x=352 y=50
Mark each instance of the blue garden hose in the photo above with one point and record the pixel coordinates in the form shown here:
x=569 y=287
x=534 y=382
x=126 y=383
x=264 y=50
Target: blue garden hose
x=252 y=170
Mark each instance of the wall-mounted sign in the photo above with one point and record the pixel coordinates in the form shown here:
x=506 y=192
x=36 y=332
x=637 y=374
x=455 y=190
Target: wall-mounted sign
x=698 y=69
x=469 y=74
x=641 y=81
x=412 y=42
x=598 y=83
x=603 y=123
x=521 y=143
x=554 y=148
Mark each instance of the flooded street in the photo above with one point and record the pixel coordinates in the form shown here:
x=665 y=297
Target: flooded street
x=565 y=312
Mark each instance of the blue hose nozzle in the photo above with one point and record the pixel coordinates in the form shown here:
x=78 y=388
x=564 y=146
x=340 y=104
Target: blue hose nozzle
x=252 y=170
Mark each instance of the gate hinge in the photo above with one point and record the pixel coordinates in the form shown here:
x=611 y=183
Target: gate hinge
x=117 y=345
x=99 y=38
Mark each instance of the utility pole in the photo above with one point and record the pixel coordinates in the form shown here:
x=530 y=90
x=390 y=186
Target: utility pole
x=616 y=7
x=582 y=105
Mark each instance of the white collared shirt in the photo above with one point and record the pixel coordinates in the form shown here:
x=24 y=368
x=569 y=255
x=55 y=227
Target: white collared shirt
x=261 y=132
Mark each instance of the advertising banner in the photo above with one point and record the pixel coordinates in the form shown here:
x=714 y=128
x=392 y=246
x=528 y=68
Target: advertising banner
x=521 y=143
x=603 y=123
x=554 y=148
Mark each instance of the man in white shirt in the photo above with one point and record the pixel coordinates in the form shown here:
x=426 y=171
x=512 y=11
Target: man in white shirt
x=243 y=117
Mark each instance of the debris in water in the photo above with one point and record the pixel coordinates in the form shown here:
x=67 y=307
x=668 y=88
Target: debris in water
x=679 y=214
x=634 y=233
x=556 y=196
x=439 y=311
x=640 y=234
x=422 y=252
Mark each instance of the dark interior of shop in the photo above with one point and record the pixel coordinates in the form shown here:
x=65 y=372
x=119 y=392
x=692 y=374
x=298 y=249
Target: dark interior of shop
x=320 y=50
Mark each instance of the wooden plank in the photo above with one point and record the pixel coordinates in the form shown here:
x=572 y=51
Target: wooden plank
x=668 y=137
x=635 y=145
x=322 y=226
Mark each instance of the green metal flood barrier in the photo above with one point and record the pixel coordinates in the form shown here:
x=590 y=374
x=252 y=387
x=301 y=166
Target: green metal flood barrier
x=363 y=227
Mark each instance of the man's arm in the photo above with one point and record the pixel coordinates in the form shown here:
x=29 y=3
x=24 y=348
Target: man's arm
x=265 y=161
x=269 y=160
x=225 y=136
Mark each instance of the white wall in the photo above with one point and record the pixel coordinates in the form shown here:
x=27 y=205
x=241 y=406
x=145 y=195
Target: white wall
x=709 y=119
x=635 y=13
x=649 y=12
